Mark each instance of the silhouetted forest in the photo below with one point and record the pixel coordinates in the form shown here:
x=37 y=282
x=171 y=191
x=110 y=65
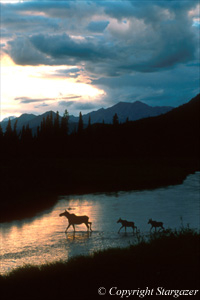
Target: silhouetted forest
x=173 y=134
x=146 y=153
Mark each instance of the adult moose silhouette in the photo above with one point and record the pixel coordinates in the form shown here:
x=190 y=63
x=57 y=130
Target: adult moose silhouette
x=126 y=224
x=155 y=224
x=76 y=220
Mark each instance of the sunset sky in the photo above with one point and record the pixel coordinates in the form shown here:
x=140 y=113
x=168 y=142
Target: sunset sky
x=84 y=55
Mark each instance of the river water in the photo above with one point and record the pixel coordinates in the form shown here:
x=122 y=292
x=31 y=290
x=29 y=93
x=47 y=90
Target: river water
x=43 y=239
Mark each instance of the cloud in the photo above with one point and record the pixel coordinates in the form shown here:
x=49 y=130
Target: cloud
x=67 y=73
x=150 y=40
x=41 y=105
x=71 y=97
x=131 y=49
x=63 y=46
x=26 y=100
x=26 y=17
x=99 y=26
x=79 y=106
x=23 y=53
x=66 y=103
x=169 y=87
x=85 y=106
x=145 y=37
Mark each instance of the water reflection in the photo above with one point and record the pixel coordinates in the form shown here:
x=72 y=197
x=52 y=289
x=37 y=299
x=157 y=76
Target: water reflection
x=43 y=239
x=79 y=237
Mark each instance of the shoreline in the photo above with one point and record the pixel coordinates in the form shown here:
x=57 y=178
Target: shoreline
x=40 y=182
x=169 y=260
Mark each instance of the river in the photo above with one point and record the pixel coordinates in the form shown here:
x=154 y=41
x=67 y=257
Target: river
x=42 y=239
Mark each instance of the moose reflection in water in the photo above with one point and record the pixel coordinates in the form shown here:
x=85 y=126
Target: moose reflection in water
x=155 y=224
x=126 y=224
x=76 y=220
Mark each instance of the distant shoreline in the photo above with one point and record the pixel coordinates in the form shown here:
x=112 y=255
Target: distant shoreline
x=31 y=186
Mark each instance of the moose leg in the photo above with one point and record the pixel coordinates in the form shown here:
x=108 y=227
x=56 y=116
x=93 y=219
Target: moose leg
x=134 y=228
x=90 y=225
x=87 y=226
x=73 y=227
x=120 y=228
x=67 y=227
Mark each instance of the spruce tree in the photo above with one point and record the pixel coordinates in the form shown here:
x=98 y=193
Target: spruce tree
x=115 y=119
x=65 y=123
x=15 y=136
x=56 y=124
x=80 y=124
x=8 y=132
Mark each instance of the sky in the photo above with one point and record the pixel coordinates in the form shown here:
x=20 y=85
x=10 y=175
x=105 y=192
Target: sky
x=84 y=55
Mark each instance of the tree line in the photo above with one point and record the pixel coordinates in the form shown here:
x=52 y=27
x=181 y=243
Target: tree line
x=175 y=134
x=52 y=136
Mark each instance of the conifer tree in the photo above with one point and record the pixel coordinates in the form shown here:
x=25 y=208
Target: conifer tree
x=80 y=124
x=43 y=126
x=115 y=119
x=15 y=130
x=56 y=124
x=26 y=134
x=8 y=132
x=65 y=123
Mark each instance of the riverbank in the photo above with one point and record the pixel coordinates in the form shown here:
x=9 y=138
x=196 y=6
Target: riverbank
x=169 y=260
x=31 y=185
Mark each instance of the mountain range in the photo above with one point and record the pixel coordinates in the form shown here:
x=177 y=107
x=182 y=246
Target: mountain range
x=133 y=111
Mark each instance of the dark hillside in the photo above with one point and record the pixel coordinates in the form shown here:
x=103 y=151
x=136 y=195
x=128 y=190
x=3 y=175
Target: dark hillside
x=143 y=154
x=173 y=134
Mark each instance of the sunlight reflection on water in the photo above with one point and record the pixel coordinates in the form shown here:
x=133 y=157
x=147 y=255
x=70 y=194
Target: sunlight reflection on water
x=42 y=239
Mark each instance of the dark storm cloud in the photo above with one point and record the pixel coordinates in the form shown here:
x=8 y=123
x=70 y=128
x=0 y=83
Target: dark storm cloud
x=150 y=11
x=128 y=48
x=61 y=46
x=161 y=40
x=57 y=50
x=170 y=87
x=23 y=53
